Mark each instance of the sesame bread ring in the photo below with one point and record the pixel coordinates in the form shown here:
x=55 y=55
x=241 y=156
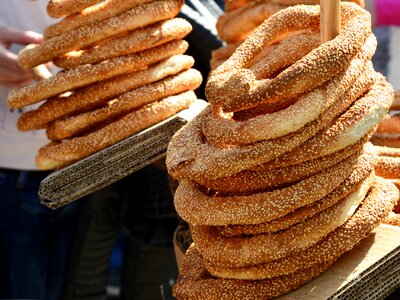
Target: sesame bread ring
x=235 y=4
x=390 y=140
x=135 y=41
x=311 y=2
x=86 y=35
x=237 y=25
x=218 y=56
x=97 y=94
x=195 y=282
x=92 y=14
x=262 y=248
x=56 y=155
x=359 y=120
x=263 y=179
x=223 y=129
x=243 y=17
x=123 y=104
x=361 y=178
x=390 y=123
x=61 y=8
x=388 y=167
x=387 y=151
x=375 y=208
x=396 y=101
x=218 y=210
x=190 y=156
x=84 y=75
x=396 y=208
x=233 y=87
x=392 y=219
x=265 y=67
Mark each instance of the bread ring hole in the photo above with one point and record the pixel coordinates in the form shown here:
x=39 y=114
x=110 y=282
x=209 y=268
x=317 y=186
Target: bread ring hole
x=277 y=57
x=265 y=108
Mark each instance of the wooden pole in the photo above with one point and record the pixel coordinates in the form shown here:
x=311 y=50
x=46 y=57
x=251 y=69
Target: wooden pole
x=330 y=19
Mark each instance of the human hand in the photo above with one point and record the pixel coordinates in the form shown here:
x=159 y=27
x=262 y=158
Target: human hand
x=11 y=74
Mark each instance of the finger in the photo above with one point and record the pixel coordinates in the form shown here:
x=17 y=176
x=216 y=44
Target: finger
x=20 y=36
x=15 y=84
x=8 y=60
x=8 y=75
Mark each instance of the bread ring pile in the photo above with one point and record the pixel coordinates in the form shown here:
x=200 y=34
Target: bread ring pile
x=242 y=17
x=388 y=132
x=124 y=71
x=387 y=141
x=276 y=175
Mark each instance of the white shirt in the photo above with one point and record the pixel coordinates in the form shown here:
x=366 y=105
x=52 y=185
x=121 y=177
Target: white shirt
x=18 y=149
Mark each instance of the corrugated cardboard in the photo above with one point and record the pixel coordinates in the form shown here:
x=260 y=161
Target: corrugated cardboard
x=113 y=163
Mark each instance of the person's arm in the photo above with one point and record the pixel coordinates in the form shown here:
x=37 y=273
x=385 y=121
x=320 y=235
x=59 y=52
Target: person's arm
x=11 y=74
x=384 y=12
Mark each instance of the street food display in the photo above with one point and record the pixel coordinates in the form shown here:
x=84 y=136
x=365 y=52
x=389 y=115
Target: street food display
x=124 y=70
x=242 y=17
x=276 y=175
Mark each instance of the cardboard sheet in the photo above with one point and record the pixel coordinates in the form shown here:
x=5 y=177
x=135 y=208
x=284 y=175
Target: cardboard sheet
x=113 y=163
x=370 y=271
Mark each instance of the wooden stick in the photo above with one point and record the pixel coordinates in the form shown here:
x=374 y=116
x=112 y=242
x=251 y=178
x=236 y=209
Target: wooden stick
x=330 y=19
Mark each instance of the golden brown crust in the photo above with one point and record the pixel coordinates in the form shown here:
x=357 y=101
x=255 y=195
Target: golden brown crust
x=396 y=101
x=135 y=41
x=261 y=178
x=235 y=252
x=195 y=282
x=311 y=2
x=374 y=209
x=388 y=167
x=387 y=151
x=263 y=206
x=58 y=155
x=218 y=56
x=359 y=120
x=85 y=75
x=390 y=124
x=241 y=18
x=234 y=26
x=97 y=94
x=61 y=8
x=86 y=35
x=390 y=140
x=101 y=11
x=234 y=4
x=396 y=208
x=233 y=87
x=123 y=104
x=189 y=156
x=393 y=219
x=221 y=128
x=358 y=179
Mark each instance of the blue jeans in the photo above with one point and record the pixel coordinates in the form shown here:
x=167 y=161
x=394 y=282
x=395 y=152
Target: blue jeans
x=34 y=240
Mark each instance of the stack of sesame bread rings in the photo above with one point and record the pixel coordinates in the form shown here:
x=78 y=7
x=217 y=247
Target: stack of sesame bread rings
x=387 y=144
x=276 y=175
x=123 y=71
x=240 y=19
